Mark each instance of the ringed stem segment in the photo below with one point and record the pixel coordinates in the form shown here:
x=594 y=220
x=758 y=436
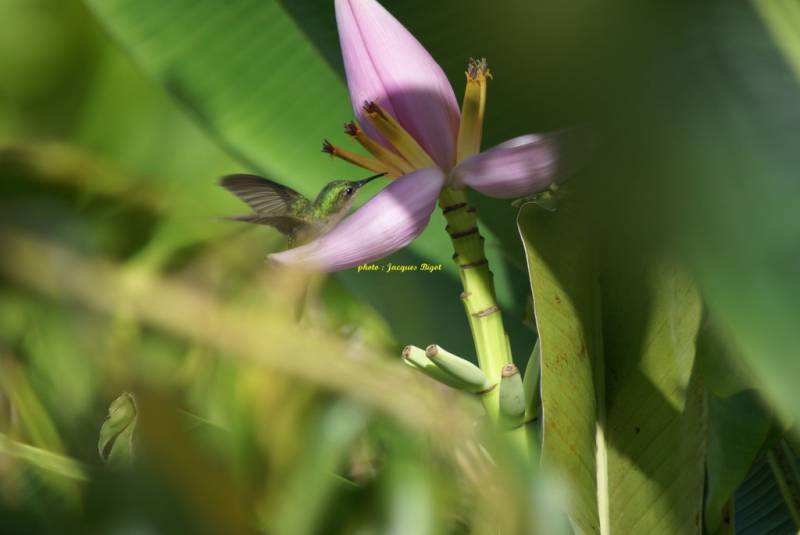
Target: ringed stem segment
x=483 y=313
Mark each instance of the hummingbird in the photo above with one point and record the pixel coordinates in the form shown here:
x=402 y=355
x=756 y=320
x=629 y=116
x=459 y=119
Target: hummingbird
x=288 y=211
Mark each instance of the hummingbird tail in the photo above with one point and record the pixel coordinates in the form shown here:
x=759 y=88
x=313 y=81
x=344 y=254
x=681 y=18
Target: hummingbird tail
x=286 y=225
x=247 y=218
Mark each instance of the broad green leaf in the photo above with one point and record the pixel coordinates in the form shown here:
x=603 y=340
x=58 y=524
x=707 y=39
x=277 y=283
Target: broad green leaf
x=737 y=427
x=656 y=420
x=629 y=434
x=564 y=286
x=740 y=230
x=246 y=72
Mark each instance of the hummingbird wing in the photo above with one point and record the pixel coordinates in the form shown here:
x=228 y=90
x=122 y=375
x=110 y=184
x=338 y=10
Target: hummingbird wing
x=264 y=196
x=274 y=204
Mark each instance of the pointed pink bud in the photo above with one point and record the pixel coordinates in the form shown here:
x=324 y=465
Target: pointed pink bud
x=386 y=64
x=518 y=167
x=387 y=222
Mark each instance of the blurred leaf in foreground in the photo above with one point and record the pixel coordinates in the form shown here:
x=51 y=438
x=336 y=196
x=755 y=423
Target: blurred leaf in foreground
x=36 y=427
x=313 y=484
x=54 y=463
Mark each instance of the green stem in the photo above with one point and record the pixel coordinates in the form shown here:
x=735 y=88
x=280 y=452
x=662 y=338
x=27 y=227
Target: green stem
x=480 y=303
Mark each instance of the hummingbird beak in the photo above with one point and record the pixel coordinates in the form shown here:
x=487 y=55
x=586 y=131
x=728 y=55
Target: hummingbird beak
x=361 y=183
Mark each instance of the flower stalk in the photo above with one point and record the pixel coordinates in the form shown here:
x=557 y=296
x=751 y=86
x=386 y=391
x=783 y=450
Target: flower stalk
x=480 y=304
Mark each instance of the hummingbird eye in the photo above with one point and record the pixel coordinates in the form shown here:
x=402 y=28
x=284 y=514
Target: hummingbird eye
x=349 y=191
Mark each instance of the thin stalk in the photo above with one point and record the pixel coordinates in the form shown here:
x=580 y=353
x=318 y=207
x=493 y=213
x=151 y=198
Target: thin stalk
x=601 y=446
x=483 y=313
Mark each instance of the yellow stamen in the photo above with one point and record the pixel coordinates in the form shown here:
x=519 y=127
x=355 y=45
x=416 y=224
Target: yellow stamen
x=472 y=108
x=395 y=134
x=370 y=164
x=392 y=160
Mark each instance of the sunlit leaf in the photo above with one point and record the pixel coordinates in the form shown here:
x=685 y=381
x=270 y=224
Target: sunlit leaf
x=565 y=293
x=626 y=414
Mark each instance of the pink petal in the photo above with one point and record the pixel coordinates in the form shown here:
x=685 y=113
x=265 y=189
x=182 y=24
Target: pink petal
x=386 y=64
x=387 y=222
x=518 y=167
